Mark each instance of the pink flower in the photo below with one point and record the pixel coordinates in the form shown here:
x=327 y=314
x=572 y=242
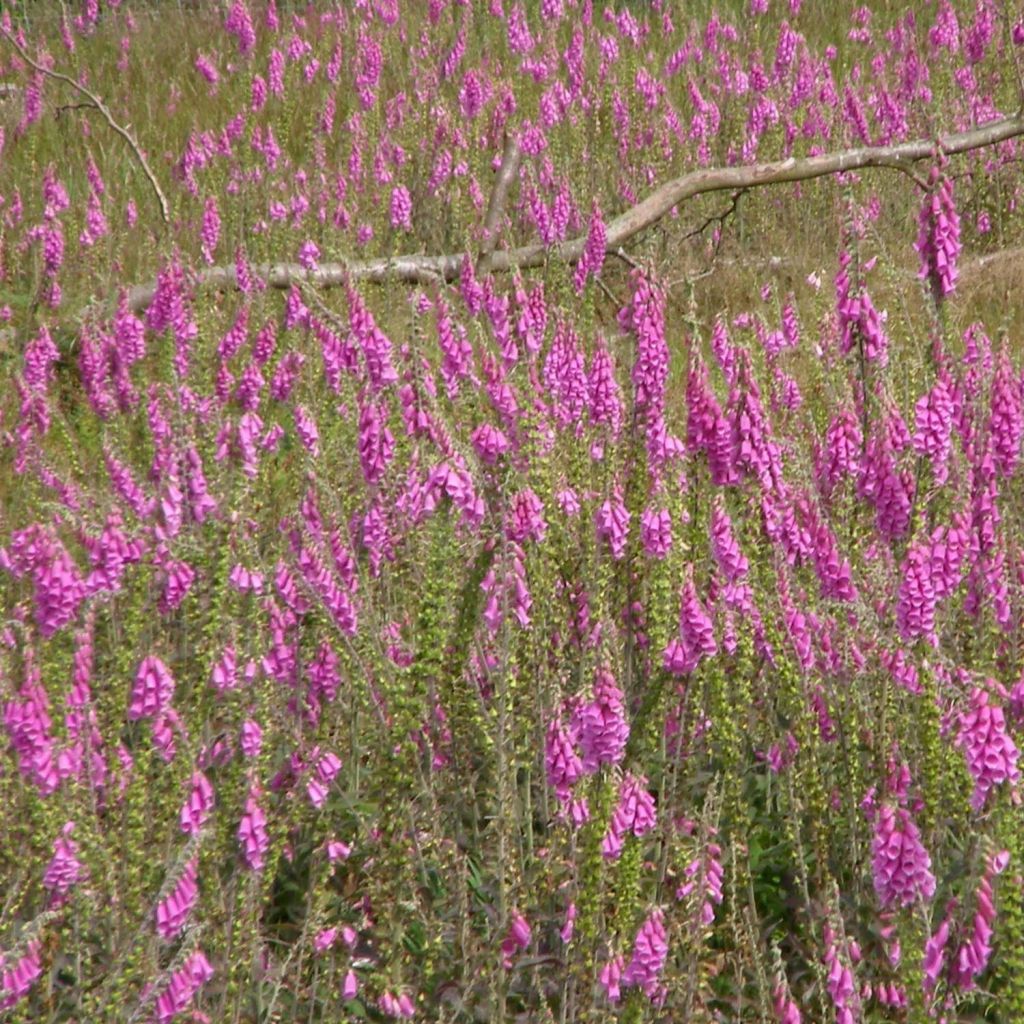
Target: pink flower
x=517 y=939
x=196 y=809
x=603 y=729
x=182 y=987
x=990 y=751
x=901 y=865
x=634 y=813
x=173 y=910
x=526 y=518
x=350 y=985
x=401 y=208
x=153 y=689
x=17 y=976
x=64 y=870
x=649 y=954
x=656 y=532
x=938 y=240
x=252 y=832
x=562 y=762
x=613 y=524
x=610 y=977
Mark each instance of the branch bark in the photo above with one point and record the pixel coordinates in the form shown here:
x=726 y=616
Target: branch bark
x=428 y=269
x=105 y=113
x=510 y=159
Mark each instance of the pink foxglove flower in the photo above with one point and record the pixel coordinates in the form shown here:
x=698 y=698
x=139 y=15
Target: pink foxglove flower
x=656 y=532
x=153 y=689
x=517 y=939
x=252 y=832
x=196 y=809
x=611 y=979
x=901 y=865
x=18 y=975
x=990 y=751
x=172 y=910
x=649 y=954
x=182 y=988
x=602 y=725
x=613 y=524
x=65 y=870
x=634 y=813
x=938 y=239
x=563 y=764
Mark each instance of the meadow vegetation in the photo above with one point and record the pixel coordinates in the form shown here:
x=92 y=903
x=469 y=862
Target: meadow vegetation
x=636 y=636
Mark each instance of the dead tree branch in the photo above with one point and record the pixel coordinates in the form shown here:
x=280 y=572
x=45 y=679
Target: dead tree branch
x=104 y=111
x=510 y=159
x=427 y=269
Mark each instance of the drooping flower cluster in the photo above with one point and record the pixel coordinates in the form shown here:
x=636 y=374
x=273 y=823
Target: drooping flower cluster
x=990 y=751
x=900 y=863
x=182 y=987
x=602 y=725
x=634 y=813
x=173 y=910
x=650 y=951
x=938 y=238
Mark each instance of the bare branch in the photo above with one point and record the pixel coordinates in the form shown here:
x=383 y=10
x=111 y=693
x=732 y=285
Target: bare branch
x=107 y=116
x=427 y=269
x=718 y=218
x=510 y=159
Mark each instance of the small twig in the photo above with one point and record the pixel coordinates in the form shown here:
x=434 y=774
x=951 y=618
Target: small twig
x=73 y=106
x=626 y=258
x=717 y=218
x=107 y=116
x=608 y=292
x=510 y=159
x=903 y=165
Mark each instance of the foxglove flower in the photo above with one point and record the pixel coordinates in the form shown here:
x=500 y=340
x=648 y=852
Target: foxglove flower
x=727 y=552
x=252 y=832
x=634 y=813
x=610 y=977
x=603 y=729
x=938 y=238
x=990 y=751
x=649 y=954
x=196 y=810
x=1006 y=420
x=65 y=870
x=900 y=863
x=592 y=258
x=18 y=975
x=182 y=987
x=562 y=763
x=613 y=524
x=517 y=939
x=172 y=910
x=656 y=532
x=526 y=518
x=153 y=689
x=490 y=443
x=606 y=407
x=916 y=598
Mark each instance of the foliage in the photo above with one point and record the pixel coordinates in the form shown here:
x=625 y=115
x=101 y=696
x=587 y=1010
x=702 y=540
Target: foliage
x=638 y=638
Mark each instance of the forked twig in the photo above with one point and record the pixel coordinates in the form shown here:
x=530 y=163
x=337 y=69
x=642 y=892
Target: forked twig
x=58 y=76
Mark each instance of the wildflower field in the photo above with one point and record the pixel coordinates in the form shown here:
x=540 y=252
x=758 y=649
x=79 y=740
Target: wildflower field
x=511 y=511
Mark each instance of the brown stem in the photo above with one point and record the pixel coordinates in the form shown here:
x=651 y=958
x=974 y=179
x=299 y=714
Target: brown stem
x=107 y=116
